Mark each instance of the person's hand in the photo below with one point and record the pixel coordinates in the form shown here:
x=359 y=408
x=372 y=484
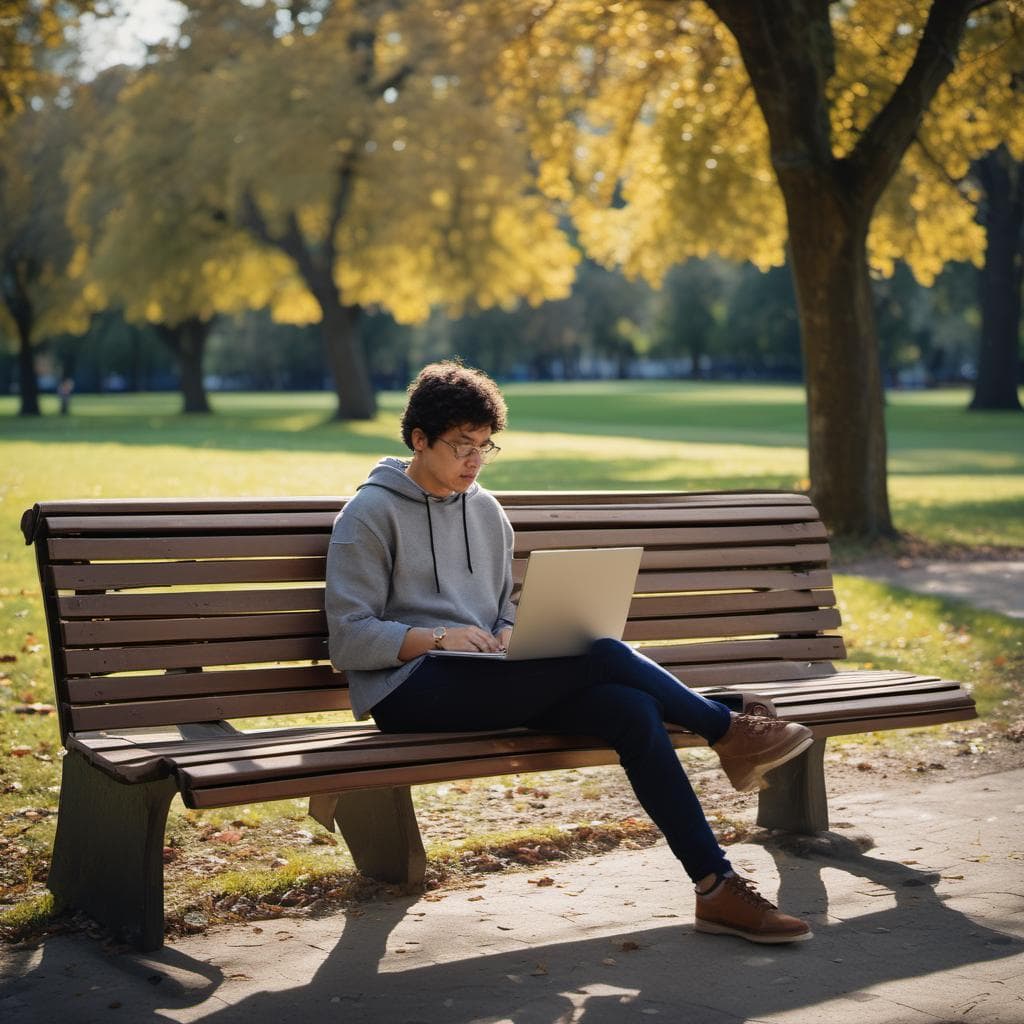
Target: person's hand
x=504 y=635
x=470 y=638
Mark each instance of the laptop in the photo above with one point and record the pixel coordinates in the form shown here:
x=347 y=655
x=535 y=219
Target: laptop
x=569 y=598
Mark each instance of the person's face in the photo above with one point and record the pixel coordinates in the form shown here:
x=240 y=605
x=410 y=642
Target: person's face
x=438 y=469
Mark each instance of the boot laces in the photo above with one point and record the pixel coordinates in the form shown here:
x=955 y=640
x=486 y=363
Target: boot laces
x=745 y=889
x=758 y=725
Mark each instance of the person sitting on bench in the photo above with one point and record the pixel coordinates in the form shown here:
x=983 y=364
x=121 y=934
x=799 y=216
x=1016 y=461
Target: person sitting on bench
x=421 y=559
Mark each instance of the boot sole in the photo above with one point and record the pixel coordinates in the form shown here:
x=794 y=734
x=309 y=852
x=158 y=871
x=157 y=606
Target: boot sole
x=710 y=928
x=756 y=779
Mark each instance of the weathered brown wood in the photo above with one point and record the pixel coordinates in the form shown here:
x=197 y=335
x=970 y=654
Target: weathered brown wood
x=185 y=522
x=821 y=648
x=737 y=579
x=130 y=659
x=679 y=606
x=222 y=627
x=405 y=775
x=95 y=689
x=805 y=553
x=734 y=625
x=602 y=516
x=962 y=711
x=122 y=575
x=742 y=557
x=668 y=536
x=134 y=715
x=188 y=603
x=633 y=499
x=87 y=549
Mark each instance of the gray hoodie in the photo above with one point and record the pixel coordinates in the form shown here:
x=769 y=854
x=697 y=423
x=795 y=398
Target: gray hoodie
x=399 y=558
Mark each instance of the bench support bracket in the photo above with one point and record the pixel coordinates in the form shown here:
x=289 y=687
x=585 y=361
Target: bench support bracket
x=108 y=852
x=795 y=800
x=379 y=826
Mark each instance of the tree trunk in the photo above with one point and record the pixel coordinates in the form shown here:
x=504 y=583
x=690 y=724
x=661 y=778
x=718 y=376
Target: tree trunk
x=19 y=305
x=345 y=356
x=339 y=322
x=28 y=383
x=845 y=398
x=999 y=283
x=187 y=341
x=789 y=53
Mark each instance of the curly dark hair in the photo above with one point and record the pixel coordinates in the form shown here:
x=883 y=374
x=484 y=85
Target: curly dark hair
x=448 y=394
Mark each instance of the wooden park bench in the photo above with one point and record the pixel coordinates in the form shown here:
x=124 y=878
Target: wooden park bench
x=169 y=619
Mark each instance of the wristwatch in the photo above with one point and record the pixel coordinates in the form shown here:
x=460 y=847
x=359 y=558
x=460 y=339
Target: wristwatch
x=439 y=634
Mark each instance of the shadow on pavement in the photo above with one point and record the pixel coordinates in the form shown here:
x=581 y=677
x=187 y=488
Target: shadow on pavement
x=357 y=976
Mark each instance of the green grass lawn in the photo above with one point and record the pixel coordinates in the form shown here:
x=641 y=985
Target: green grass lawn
x=956 y=478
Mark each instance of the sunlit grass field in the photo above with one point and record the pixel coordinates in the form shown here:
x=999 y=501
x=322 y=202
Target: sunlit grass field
x=956 y=478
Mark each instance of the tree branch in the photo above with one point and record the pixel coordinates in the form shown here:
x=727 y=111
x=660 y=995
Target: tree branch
x=871 y=164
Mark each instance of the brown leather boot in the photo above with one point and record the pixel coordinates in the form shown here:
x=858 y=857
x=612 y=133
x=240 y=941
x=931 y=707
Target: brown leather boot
x=754 y=745
x=734 y=907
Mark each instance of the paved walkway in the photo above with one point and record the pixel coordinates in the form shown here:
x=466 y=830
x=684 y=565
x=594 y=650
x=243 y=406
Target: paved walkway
x=997 y=586
x=926 y=925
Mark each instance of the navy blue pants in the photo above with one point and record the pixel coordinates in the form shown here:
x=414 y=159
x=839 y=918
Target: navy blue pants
x=611 y=692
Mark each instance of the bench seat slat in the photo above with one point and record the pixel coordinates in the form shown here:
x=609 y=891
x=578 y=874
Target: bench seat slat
x=344 y=781
x=414 y=775
x=122 y=754
x=203 y=773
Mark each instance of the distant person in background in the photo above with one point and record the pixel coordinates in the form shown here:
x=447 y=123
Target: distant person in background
x=64 y=391
x=421 y=560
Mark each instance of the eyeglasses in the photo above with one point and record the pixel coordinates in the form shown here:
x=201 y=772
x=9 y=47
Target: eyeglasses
x=463 y=451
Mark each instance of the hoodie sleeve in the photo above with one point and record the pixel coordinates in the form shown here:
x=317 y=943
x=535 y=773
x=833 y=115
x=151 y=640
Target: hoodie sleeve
x=358 y=576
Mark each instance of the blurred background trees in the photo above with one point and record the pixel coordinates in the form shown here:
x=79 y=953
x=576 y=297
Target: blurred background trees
x=325 y=193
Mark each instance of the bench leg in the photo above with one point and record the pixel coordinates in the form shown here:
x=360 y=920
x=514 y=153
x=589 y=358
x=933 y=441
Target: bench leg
x=795 y=800
x=379 y=826
x=108 y=852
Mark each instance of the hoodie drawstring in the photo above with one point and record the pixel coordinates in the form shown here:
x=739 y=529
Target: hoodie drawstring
x=465 y=532
x=465 y=535
x=433 y=556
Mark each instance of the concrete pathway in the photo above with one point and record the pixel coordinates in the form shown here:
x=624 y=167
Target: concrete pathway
x=921 y=922
x=996 y=586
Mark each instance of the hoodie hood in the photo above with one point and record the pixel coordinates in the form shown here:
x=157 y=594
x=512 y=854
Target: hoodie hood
x=390 y=474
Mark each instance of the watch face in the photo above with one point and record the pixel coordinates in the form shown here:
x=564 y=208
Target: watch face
x=439 y=633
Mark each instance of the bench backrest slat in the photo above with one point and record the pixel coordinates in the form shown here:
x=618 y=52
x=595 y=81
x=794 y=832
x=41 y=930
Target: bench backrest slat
x=102 y=689
x=167 y=612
